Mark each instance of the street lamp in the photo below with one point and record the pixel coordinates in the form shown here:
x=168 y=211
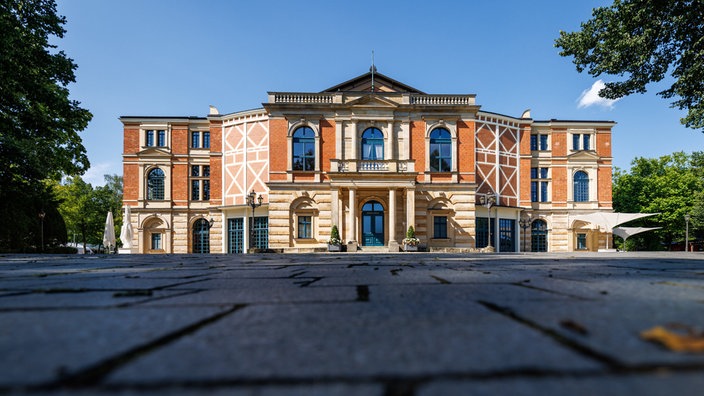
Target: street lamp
x=254 y=202
x=488 y=201
x=525 y=223
x=41 y=218
x=686 y=237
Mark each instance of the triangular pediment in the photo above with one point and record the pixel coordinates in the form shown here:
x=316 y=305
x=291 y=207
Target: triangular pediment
x=154 y=152
x=380 y=82
x=583 y=155
x=371 y=100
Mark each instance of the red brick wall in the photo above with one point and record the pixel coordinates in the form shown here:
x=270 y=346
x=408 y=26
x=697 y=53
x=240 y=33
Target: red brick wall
x=604 y=186
x=559 y=142
x=278 y=128
x=216 y=163
x=131 y=142
x=465 y=151
x=327 y=144
x=130 y=178
x=417 y=132
x=559 y=184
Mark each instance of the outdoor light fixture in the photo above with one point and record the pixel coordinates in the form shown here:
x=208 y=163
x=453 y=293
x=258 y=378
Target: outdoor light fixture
x=488 y=201
x=525 y=223
x=686 y=235
x=211 y=222
x=254 y=202
x=41 y=218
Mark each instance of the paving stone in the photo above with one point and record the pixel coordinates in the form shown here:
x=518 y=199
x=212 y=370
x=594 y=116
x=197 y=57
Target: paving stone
x=41 y=346
x=347 y=324
x=655 y=384
x=353 y=340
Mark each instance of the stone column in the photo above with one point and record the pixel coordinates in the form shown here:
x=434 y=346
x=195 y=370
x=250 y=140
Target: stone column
x=334 y=207
x=353 y=135
x=391 y=142
x=351 y=220
x=410 y=208
x=393 y=243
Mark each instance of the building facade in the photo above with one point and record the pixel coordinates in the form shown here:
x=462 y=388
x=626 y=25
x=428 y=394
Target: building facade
x=372 y=156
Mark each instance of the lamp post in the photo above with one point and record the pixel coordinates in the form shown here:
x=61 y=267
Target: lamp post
x=41 y=219
x=254 y=202
x=488 y=201
x=525 y=223
x=686 y=235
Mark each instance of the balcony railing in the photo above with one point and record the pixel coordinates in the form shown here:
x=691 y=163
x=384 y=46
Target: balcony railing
x=372 y=166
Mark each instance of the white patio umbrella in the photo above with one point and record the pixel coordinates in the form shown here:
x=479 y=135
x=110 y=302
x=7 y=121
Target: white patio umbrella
x=109 y=234
x=626 y=232
x=609 y=220
x=126 y=232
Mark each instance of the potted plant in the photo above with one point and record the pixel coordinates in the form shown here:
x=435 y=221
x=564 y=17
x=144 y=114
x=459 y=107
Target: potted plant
x=410 y=242
x=334 y=244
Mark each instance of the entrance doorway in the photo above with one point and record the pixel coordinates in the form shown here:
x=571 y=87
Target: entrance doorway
x=372 y=224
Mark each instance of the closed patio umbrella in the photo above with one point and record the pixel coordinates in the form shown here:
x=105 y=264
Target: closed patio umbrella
x=109 y=234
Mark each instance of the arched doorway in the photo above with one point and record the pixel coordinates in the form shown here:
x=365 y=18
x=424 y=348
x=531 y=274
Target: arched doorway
x=372 y=224
x=201 y=236
x=539 y=236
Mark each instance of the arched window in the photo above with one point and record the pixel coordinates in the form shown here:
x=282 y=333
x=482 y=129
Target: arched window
x=581 y=186
x=440 y=150
x=539 y=236
x=372 y=144
x=304 y=149
x=201 y=236
x=155 y=185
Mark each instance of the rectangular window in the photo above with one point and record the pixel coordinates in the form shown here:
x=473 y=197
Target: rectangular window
x=544 y=192
x=206 y=139
x=581 y=241
x=539 y=142
x=156 y=241
x=543 y=173
x=150 y=138
x=304 y=227
x=206 y=190
x=195 y=190
x=200 y=182
x=507 y=235
x=161 y=138
x=235 y=231
x=440 y=227
x=581 y=141
x=260 y=232
x=534 y=191
x=482 y=238
x=195 y=139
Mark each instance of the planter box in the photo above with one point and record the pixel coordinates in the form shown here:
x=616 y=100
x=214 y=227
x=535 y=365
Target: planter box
x=334 y=248
x=410 y=248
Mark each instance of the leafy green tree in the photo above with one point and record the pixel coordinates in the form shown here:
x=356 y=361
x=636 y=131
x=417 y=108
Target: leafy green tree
x=667 y=185
x=85 y=208
x=643 y=41
x=39 y=124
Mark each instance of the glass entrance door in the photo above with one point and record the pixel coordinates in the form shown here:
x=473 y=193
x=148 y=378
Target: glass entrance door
x=372 y=224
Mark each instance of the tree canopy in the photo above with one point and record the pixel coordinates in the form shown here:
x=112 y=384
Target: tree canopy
x=642 y=41
x=84 y=208
x=39 y=123
x=670 y=185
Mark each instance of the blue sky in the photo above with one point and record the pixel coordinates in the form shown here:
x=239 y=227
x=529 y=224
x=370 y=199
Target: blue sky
x=177 y=57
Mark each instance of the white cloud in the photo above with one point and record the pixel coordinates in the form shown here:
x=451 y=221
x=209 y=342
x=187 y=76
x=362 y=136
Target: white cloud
x=95 y=175
x=590 y=97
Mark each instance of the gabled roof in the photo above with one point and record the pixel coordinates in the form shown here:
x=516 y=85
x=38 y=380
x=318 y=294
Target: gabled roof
x=363 y=83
